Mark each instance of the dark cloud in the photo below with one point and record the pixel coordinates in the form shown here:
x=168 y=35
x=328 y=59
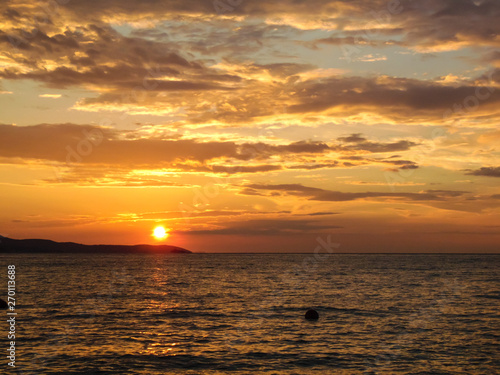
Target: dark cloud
x=360 y=160
x=414 y=23
x=398 y=99
x=401 y=164
x=339 y=41
x=353 y=157
x=156 y=74
x=409 y=166
x=438 y=24
x=245 y=169
x=101 y=57
x=160 y=9
x=94 y=147
x=268 y=227
x=362 y=144
x=317 y=194
x=448 y=193
x=388 y=147
x=381 y=95
x=118 y=77
x=397 y=162
x=353 y=138
x=486 y=171
x=302 y=147
x=322 y=213
x=472 y=21
x=227 y=169
x=200 y=214
x=315 y=166
x=11 y=14
x=89 y=144
x=491 y=57
x=445 y=22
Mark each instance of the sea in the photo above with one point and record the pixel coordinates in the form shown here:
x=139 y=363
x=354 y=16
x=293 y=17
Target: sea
x=244 y=314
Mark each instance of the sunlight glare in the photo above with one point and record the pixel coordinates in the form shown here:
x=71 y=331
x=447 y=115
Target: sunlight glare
x=160 y=233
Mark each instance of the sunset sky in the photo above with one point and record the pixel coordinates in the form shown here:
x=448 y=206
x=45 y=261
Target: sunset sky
x=252 y=125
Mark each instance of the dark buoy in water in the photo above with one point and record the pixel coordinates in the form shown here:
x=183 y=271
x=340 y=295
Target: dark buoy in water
x=312 y=315
x=3 y=304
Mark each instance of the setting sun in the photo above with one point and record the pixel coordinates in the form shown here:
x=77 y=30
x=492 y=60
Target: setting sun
x=160 y=233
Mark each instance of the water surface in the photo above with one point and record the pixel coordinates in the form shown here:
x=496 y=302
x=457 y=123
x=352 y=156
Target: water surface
x=244 y=314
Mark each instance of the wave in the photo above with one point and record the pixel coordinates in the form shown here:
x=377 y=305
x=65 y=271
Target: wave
x=490 y=296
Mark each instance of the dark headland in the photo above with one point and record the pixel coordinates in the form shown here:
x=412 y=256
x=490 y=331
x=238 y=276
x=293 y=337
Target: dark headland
x=9 y=245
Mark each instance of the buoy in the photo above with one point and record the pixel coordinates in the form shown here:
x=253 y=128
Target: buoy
x=3 y=304
x=312 y=315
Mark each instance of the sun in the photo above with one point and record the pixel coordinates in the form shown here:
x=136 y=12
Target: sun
x=160 y=233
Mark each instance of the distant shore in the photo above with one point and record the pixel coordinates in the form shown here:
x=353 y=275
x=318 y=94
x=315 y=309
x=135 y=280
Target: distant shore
x=9 y=245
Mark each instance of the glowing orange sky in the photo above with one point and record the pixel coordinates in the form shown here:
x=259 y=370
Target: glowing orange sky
x=257 y=127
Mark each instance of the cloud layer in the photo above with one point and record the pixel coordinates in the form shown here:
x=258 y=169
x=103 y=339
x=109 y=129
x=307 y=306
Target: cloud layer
x=273 y=119
x=88 y=145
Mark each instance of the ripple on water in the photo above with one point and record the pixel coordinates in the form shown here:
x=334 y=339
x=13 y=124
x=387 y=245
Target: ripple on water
x=225 y=313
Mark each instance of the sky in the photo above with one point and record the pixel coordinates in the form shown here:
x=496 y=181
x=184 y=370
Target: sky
x=252 y=125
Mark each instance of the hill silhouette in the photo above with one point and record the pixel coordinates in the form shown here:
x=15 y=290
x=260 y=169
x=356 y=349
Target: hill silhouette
x=9 y=245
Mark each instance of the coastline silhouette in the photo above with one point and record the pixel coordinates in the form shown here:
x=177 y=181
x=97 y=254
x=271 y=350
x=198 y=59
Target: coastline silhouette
x=9 y=245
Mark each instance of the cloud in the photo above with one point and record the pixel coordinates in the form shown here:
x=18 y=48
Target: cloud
x=353 y=138
x=74 y=144
x=118 y=77
x=91 y=144
x=357 y=142
x=95 y=177
x=98 y=57
x=225 y=169
x=461 y=22
x=68 y=221
x=486 y=171
x=143 y=73
x=454 y=31
x=50 y=96
x=300 y=147
x=279 y=70
x=394 y=99
x=317 y=194
x=346 y=40
x=371 y=58
x=491 y=57
x=387 y=96
x=130 y=10
x=267 y=227
x=401 y=164
x=80 y=152
x=324 y=213
x=314 y=166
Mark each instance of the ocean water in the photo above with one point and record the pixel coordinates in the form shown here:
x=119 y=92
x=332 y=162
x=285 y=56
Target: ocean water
x=244 y=314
